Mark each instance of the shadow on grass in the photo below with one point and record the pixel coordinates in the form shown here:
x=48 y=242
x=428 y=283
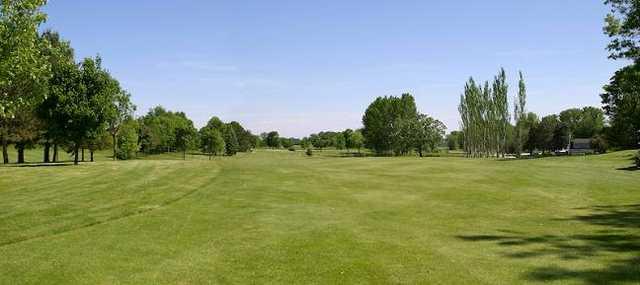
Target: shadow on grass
x=630 y=168
x=617 y=237
x=41 y=164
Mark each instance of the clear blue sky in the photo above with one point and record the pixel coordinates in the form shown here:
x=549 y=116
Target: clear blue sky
x=305 y=66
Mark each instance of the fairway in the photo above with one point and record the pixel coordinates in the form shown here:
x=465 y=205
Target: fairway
x=281 y=217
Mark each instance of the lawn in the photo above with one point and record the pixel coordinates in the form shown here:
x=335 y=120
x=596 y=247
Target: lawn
x=282 y=217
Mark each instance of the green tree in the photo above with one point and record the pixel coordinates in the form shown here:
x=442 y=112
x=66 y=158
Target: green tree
x=272 y=139
x=623 y=27
x=357 y=140
x=185 y=138
x=120 y=111
x=23 y=68
x=621 y=100
x=211 y=142
x=127 y=139
x=429 y=133
x=231 y=140
x=386 y=122
x=59 y=54
x=520 y=112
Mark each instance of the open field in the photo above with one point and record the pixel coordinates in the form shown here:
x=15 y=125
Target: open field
x=281 y=217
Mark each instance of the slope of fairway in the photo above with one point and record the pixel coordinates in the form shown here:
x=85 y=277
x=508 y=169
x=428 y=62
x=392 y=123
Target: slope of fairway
x=281 y=217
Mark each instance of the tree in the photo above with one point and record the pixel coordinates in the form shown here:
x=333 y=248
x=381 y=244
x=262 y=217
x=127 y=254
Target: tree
x=386 y=122
x=429 y=133
x=561 y=136
x=341 y=142
x=59 y=54
x=246 y=140
x=185 y=138
x=529 y=131
x=621 y=100
x=623 y=27
x=120 y=111
x=23 y=69
x=127 y=139
x=455 y=140
x=82 y=92
x=520 y=112
x=544 y=132
x=357 y=140
x=211 y=142
x=272 y=139
x=231 y=140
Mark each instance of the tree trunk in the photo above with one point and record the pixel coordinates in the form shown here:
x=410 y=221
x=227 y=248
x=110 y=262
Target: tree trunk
x=83 y=154
x=115 y=145
x=47 y=146
x=91 y=152
x=76 y=150
x=55 y=153
x=20 y=148
x=5 y=152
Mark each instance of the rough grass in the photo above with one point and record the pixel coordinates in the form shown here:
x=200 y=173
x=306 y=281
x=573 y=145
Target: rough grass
x=282 y=217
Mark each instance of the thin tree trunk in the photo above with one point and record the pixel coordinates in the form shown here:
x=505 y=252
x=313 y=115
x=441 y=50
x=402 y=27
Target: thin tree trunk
x=76 y=151
x=5 y=152
x=47 y=146
x=55 y=153
x=20 y=153
x=83 y=154
x=91 y=153
x=115 y=145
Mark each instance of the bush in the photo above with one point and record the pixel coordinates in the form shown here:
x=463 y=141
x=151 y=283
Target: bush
x=599 y=144
x=309 y=152
x=291 y=148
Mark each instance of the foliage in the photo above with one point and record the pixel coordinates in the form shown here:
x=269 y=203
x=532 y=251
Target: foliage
x=127 y=139
x=599 y=144
x=158 y=130
x=309 y=152
x=621 y=100
x=272 y=139
x=623 y=27
x=24 y=70
x=386 y=122
x=485 y=117
x=231 y=140
x=211 y=141
x=428 y=134
x=583 y=123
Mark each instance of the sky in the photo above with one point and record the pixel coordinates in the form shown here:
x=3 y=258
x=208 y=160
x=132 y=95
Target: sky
x=301 y=67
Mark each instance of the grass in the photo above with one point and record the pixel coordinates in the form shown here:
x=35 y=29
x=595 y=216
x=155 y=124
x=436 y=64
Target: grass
x=282 y=217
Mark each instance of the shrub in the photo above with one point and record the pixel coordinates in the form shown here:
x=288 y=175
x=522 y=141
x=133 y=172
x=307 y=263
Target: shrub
x=309 y=152
x=291 y=148
x=599 y=144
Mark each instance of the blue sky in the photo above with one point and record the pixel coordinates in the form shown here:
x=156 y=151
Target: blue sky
x=305 y=66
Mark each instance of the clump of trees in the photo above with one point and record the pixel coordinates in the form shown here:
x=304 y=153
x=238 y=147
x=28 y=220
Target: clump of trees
x=485 y=117
x=621 y=97
x=392 y=125
x=48 y=98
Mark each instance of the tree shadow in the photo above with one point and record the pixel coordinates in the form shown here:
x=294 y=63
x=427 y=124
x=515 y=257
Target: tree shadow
x=630 y=168
x=618 y=241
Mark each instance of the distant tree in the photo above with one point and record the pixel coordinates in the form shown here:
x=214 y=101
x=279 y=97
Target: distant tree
x=429 y=133
x=246 y=140
x=185 y=138
x=127 y=139
x=341 y=143
x=545 y=132
x=529 y=131
x=25 y=130
x=272 y=139
x=231 y=140
x=520 y=114
x=454 y=140
x=211 y=142
x=599 y=144
x=121 y=110
x=561 y=136
x=357 y=140
x=386 y=121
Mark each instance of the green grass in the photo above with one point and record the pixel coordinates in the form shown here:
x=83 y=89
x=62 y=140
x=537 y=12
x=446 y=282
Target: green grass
x=282 y=217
